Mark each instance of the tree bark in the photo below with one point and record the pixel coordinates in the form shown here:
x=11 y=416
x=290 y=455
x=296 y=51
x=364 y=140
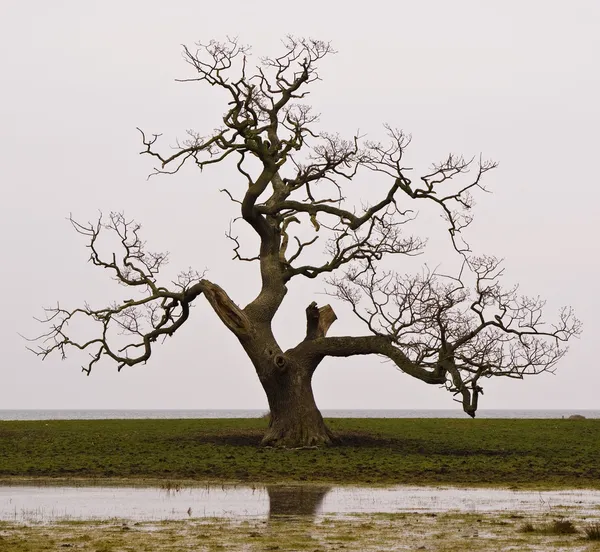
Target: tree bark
x=318 y=320
x=295 y=420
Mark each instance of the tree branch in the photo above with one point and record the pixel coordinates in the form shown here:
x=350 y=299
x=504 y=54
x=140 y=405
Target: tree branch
x=440 y=328
x=159 y=312
x=347 y=346
x=318 y=320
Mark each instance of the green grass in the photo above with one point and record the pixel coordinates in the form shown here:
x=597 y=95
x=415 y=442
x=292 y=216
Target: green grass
x=521 y=453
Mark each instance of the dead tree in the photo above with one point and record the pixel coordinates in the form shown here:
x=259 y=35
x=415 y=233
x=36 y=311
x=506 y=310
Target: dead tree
x=451 y=331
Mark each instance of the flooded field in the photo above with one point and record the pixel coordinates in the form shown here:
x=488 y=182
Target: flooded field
x=292 y=518
x=53 y=503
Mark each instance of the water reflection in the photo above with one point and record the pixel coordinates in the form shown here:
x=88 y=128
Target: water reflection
x=304 y=500
x=50 y=503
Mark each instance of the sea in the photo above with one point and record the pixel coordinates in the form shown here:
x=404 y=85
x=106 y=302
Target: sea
x=257 y=413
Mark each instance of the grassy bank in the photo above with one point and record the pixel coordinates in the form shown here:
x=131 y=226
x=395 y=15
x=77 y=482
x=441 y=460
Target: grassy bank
x=523 y=453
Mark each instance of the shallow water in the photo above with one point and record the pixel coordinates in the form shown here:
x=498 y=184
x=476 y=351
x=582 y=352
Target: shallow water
x=52 y=503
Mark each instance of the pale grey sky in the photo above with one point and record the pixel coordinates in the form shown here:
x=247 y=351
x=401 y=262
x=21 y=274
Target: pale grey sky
x=517 y=80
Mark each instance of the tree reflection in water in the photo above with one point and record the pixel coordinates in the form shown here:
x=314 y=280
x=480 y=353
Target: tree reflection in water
x=298 y=500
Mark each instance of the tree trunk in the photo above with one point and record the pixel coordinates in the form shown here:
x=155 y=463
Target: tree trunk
x=295 y=420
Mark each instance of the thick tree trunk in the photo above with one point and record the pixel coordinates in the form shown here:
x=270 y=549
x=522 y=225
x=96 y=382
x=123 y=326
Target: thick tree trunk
x=295 y=420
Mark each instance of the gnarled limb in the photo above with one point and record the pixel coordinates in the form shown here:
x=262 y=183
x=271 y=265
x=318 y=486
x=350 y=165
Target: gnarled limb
x=229 y=313
x=346 y=346
x=443 y=328
x=128 y=329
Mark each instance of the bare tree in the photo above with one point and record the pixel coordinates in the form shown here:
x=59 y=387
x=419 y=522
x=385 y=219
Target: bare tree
x=450 y=331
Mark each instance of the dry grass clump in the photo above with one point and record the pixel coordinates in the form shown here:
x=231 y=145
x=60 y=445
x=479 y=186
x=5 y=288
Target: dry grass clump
x=557 y=527
x=527 y=528
x=592 y=532
x=562 y=527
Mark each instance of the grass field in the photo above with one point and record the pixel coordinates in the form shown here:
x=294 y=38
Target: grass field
x=520 y=453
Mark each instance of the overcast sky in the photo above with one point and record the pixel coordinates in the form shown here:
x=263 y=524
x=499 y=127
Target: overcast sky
x=517 y=81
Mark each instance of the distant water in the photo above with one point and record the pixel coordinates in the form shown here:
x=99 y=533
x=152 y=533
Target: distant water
x=178 y=414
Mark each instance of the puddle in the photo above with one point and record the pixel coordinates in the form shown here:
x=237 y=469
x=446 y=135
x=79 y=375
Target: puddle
x=47 y=504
